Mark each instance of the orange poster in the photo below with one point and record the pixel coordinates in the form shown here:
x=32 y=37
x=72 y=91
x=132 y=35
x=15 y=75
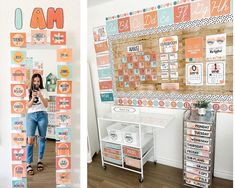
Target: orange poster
x=220 y=7
x=63 y=163
x=63 y=149
x=150 y=20
x=18 y=74
x=63 y=178
x=124 y=25
x=18 y=90
x=64 y=55
x=63 y=103
x=18 y=39
x=182 y=13
x=19 y=170
x=18 y=139
x=102 y=60
x=105 y=85
x=101 y=47
x=18 y=107
x=194 y=48
x=64 y=87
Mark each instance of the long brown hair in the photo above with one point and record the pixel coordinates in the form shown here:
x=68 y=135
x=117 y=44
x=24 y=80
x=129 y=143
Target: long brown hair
x=36 y=75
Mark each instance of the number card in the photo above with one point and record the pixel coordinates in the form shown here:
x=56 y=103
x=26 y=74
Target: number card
x=194 y=74
x=215 y=73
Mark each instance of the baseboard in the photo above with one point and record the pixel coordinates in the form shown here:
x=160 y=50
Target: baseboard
x=178 y=164
x=224 y=174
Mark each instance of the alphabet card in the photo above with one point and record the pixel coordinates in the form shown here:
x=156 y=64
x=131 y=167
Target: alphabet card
x=18 y=74
x=64 y=87
x=216 y=47
x=215 y=73
x=64 y=55
x=63 y=103
x=18 y=39
x=18 y=154
x=63 y=148
x=63 y=134
x=63 y=163
x=38 y=37
x=19 y=170
x=18 y=57
x=18 y=123
x=58 y=38
x=18 y=139
x=64 y=71
x=18 y=107
x=18 y=90
x=63 y=119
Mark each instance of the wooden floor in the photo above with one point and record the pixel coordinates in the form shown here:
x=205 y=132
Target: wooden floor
x=46 y=178
x=155 y=176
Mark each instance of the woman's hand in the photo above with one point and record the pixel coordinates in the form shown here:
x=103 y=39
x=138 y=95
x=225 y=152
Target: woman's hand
x=34 y=94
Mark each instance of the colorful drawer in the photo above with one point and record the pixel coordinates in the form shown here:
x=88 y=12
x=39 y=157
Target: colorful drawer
x=197 y=165
x=131 y=162
x=111 y=160
x=111 y=145
x=200 y=126
x=131 y=152
x=114 y=151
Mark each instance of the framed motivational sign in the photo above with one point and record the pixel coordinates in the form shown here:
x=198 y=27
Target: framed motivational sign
x=38 y=37
x=64 y=55
x=64 y=87
x=19 y=170
x=18 y=123
x=63 y=163
x=63 y=148
x=18 y=154
x=63 y=103
x=18 y=139
x=18 y=74
x=18 y=39
x=18 y=90
x=63 y=119
x=18 y=57
x=58 y=38
x=18 y=107
x=64 y=71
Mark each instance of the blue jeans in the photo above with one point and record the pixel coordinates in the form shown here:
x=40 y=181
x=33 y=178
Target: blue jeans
x=34 y=120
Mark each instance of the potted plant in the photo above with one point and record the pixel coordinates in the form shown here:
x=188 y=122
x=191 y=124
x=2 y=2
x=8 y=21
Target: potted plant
x=201 y=106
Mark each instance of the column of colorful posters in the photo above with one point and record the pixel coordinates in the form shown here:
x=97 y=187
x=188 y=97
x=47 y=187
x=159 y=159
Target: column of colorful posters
x=18 y=109
x=103 y=64
x=63 y=117
x=168 y=47
x=216 y=59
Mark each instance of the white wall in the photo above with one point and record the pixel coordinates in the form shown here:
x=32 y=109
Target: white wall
x=169 y=141
x=72 y=26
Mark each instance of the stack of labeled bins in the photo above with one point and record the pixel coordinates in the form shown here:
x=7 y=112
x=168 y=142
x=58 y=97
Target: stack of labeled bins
x=198 y=148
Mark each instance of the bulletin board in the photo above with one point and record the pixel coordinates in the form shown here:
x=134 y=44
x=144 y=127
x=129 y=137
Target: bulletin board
x=127 y=32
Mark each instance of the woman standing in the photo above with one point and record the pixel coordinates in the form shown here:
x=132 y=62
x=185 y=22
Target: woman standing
x=37 y=118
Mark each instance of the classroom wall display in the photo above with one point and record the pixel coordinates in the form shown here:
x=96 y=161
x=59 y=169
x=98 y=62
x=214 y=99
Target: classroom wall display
x=215 y=73
x=38 y=37
x=22 y=67
x=103 y=64
x=183 y=35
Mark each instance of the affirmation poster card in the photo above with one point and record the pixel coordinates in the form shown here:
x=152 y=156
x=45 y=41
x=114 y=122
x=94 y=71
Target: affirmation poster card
x=216 y=47
x=18 y=123
x=194 y=74
x=18 y=57
x=215 y=73
x=38 y=37
x=63 y=148
x=19 y=170
x=58 y=38
x=168 y=44
x=194 y=49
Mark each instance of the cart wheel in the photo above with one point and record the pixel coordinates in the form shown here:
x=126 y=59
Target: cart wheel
x=141 y=180
x=155 y=162
x=104 y=167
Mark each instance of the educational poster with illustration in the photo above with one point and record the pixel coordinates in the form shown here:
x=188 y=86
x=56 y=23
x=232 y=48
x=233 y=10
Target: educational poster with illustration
x=164 y=55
